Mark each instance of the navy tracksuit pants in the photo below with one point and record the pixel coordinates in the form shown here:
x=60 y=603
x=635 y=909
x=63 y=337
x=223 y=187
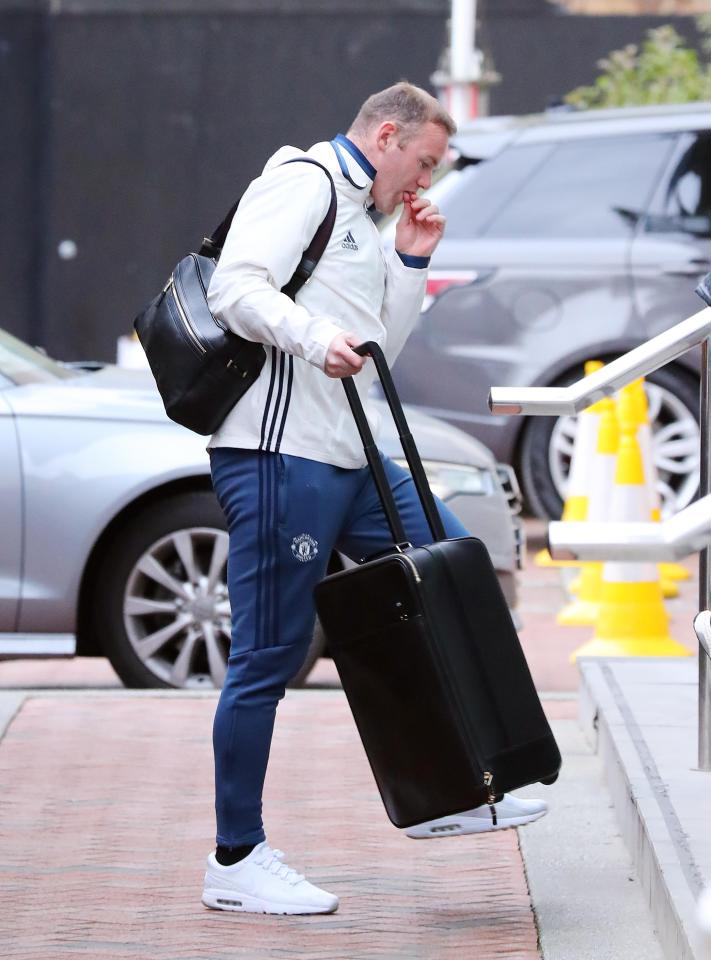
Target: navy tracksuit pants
x=285 y=516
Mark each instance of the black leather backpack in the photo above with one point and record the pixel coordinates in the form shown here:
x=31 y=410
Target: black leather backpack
x=201 y=368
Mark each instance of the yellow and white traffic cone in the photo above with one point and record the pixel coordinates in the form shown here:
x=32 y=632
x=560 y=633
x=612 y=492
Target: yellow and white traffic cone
x=585 y=608
x=667 y=571
x=576 y=501
x=632 y=620
x=634 y=407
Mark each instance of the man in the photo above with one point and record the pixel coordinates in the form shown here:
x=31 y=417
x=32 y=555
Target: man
x=287 y=464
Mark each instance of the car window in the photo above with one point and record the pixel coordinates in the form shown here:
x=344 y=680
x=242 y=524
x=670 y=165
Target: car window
x=471 y=198
x=596 y=188
x=685 y=205
x=21 y=364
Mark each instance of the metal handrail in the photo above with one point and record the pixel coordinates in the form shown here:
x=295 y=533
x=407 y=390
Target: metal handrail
x=675 y=538
x=643 y=360
x=690 y=529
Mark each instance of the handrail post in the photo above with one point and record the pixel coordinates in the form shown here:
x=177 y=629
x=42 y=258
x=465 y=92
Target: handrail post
x=705 y=566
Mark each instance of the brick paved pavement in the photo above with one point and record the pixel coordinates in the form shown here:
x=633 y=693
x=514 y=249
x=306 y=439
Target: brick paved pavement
x=111 y=794
x=107 y=820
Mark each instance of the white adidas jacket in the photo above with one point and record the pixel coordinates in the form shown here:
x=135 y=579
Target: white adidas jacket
x=294 y=408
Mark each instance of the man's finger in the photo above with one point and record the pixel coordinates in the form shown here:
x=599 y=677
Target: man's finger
x=350 y=361
x=405 y=214
x=427 y=211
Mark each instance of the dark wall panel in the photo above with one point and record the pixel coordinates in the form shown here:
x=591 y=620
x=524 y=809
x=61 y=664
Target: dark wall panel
x=159 y=121
x=22 y=165
x=128 y=127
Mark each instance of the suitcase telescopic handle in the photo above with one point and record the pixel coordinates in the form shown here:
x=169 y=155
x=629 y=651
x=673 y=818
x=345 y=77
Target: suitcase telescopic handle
x=372 y=349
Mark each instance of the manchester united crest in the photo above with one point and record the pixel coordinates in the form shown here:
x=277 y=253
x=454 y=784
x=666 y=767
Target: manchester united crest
x=304 y=547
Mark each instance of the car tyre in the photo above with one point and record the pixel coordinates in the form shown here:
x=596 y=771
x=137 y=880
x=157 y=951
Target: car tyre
x=539 y=488
x=137 y=540
x=191 y=525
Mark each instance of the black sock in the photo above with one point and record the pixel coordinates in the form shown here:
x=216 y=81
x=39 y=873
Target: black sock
x=226 y=856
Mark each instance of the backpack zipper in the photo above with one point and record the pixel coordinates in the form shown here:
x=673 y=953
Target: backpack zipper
x=192 y=333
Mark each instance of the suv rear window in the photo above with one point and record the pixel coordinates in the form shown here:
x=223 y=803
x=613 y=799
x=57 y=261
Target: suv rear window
x=594 y=188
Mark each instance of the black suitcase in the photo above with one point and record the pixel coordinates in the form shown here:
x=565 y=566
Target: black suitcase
x=430 y=661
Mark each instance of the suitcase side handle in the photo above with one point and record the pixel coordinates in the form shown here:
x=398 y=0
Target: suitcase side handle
x=434 y=521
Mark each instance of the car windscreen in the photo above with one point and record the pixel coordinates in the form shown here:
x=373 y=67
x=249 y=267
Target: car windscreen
x=22 y=364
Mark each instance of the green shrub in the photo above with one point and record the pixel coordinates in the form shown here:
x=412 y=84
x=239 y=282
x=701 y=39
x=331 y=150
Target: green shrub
x=663 y=70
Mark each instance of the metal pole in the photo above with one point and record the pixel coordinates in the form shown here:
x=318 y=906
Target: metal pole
x=705 y=569
x=463 y=60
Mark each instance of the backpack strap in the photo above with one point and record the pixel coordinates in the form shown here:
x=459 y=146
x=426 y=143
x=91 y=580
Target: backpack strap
x=313 y=253
x=212 y=246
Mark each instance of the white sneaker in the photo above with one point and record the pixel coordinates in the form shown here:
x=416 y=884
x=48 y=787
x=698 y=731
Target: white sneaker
x=262 y=883
x=510 y=811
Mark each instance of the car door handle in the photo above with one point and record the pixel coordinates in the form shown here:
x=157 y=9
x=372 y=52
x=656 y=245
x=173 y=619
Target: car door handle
x=687 y=268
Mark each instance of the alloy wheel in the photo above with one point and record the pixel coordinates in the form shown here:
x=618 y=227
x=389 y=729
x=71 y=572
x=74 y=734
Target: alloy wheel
x=176 y=608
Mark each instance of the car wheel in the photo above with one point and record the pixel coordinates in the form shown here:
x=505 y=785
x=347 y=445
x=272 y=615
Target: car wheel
x=547 y=446
x=162 y=607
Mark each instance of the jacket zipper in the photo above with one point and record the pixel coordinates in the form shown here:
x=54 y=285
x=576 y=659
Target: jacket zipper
x=192 y=333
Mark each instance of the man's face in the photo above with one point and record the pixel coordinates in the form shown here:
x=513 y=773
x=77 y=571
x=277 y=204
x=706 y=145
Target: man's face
x=405 y=168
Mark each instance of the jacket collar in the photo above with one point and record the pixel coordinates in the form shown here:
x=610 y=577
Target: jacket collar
x=355 y=166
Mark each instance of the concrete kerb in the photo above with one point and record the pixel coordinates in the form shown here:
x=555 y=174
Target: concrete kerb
x=649 y=785
x=10 y=703
x=588 y=903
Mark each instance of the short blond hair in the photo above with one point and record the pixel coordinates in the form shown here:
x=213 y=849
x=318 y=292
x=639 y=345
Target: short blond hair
x=408 y=106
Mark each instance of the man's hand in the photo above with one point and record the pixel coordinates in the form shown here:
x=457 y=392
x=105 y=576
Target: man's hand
x=341 y=361
x=420 y=227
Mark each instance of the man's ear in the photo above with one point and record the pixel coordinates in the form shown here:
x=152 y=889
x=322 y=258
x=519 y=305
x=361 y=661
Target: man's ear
x=386 y=135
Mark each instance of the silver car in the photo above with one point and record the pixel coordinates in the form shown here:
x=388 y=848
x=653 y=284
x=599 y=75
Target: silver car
x=570 y=236
x=112 y=541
